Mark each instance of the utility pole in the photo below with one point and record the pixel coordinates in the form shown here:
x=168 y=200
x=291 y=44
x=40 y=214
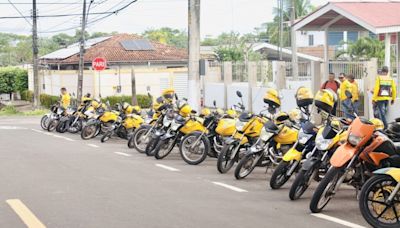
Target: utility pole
x=280 y=2
x=35 y=51
x=295 y=69
x=194 y=53
x=81 y=54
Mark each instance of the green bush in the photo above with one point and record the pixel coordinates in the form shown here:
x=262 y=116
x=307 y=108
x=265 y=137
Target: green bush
x=13 y=79
x=143 y=100
x=21 y=79
x=27 y=95
x=48 y=100
x=8 y=110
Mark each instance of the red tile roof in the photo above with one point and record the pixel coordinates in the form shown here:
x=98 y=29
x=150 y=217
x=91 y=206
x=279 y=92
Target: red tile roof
x=112 y=50
x=377 y=14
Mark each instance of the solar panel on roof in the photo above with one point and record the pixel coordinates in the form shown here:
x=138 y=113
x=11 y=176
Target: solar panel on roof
x=137 y=45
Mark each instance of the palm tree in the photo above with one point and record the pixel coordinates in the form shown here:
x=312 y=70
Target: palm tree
x=363 y=49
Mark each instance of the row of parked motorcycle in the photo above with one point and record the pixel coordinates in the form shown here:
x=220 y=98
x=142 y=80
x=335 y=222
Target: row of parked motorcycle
x=336 y=151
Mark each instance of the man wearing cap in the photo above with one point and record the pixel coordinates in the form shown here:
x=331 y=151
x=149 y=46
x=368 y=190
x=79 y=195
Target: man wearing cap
x=384 y=91
x=346 y=97
x=354 y=92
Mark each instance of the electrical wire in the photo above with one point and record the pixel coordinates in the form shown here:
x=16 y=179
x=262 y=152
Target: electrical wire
x=19 y=12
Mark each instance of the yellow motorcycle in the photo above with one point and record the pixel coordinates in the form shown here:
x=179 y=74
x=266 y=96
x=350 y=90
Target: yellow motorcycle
x=248 y=128
x=128 y=120
x=217 y=126
x=100 y=121
x=276 y=138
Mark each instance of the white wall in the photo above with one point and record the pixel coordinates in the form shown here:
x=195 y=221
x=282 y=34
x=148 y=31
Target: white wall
x=302 y=39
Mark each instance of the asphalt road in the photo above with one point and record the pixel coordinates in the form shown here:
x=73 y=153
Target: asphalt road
x=59 y=180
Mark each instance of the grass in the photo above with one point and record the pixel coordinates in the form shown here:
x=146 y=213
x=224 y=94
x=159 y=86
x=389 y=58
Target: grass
x=10 y=110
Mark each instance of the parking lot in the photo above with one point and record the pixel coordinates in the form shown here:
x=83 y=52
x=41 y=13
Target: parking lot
x=59 y=180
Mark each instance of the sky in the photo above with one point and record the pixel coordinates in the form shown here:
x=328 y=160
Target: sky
x=217 y=16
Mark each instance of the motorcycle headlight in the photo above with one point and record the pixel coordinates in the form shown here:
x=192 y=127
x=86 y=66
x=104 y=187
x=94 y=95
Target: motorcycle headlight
x=303 y=137
x=166 y=121
x=239 y=125
x=60 y=111
x=175 y=125
x=354 y=140
x=322 y=143
x=148 y=120
x=265 y=135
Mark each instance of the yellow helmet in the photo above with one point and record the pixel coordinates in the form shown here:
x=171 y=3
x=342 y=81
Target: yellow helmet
x=377 y=123
x=157 y=103
x=220 y=111
x=325 y=100
x=304 y=96
x=168 y=94
x=205 y=112
x=280 y=117
x=295 y=114
x=185 y=110
x=231 y=113
x=271 y=97
x=132 y=109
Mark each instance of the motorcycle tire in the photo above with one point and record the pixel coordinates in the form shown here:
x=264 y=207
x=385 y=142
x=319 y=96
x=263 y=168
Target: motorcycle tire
x=106 y=136
x=243 y=163
x=89 y=131
x=61 y=127
x=365 y=201
x=185 y=143
x=44 y=122
x=330 y=179
x=52 y=125
x=135 y=140
x=279 y=177
x=76 y=127
x=301 y=183
x=151 y=146
x=225 y=163
x=160 y=148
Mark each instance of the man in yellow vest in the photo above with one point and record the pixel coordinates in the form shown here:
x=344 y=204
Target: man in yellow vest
x=355 y=96
x=384 y=91
x=65 y=98
x=346 y=98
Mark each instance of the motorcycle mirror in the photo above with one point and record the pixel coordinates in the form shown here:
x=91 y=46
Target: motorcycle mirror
x=239 y=94
x=214 y=103
x=193 y=111
x=176 y=96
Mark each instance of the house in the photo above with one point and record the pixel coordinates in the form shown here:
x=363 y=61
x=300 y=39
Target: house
x=155 y=66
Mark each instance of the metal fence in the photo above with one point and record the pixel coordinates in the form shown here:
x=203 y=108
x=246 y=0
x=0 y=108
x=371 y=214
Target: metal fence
x=304 y=71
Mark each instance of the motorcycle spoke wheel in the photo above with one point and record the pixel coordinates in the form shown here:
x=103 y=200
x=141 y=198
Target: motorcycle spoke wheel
x=193 y=154
x=245 y=166
x=139 y=141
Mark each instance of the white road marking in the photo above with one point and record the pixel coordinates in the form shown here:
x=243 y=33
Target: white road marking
x=336 y=220
x=93 y=145
x=11 y=128
x=123 y=154
x=26 y=215
x=167 y=167
x=233 y=188
x=57 y=136
x=38 y=131
x=68 y=139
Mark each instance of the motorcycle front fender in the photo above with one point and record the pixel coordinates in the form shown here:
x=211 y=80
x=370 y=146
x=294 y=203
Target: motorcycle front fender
x=292 y=155
x=92 y=122
x=342 y=155
x=167 y=136
x=393 y=172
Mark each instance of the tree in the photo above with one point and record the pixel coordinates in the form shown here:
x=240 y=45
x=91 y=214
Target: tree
x=7 y=80
x=237 y=47
x=21 y=79
x=363 y=49
x=169 y=36
x=303 y=7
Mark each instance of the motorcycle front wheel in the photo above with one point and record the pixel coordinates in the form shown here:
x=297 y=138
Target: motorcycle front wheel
x=151 y=146
x=279 y=177
x=164 y=148
x=76 y=127
x=52 y=125
x=44 y=121
x=106 y=136
x=325 y=190
x=89 y=131
x=139 y=140
x=374 y=205
x=301 y=183
x=225 y=159
x=194 y=154
x=246 y=166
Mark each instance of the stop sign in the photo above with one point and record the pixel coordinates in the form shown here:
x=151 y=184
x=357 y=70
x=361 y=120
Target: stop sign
x=99 y=64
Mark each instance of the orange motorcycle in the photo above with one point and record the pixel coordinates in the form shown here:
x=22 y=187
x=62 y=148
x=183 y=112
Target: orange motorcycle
x=366 y=150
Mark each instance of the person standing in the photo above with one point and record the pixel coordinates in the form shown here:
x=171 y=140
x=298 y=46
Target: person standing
x=384 y=91
x=345 y=96
x=333 y=85
x=355 y=97
x=65 y=98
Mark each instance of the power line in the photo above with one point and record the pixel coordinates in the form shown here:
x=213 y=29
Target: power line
x=20 y=12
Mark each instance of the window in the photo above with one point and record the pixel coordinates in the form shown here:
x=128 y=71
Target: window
x=352 y=36
x=310 y=40
x=335 y=38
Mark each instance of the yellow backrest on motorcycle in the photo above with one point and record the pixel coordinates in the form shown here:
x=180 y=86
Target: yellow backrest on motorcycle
x=184 y=108
x=96 y=104
x=272 y=98
x=129 y=109
x=192 y=125
x=325 y=100
x=304 y=97
x=205 y=112
x=226 y=127
x=168 y=94
x=295 y=115
x=281 y=117
x=133 y=121
x=231 y=113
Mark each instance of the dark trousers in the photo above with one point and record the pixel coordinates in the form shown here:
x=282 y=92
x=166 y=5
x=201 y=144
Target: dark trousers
x=380 y=110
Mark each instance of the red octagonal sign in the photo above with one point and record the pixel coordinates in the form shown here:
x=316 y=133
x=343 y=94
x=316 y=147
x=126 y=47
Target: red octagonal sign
x=99 y=64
